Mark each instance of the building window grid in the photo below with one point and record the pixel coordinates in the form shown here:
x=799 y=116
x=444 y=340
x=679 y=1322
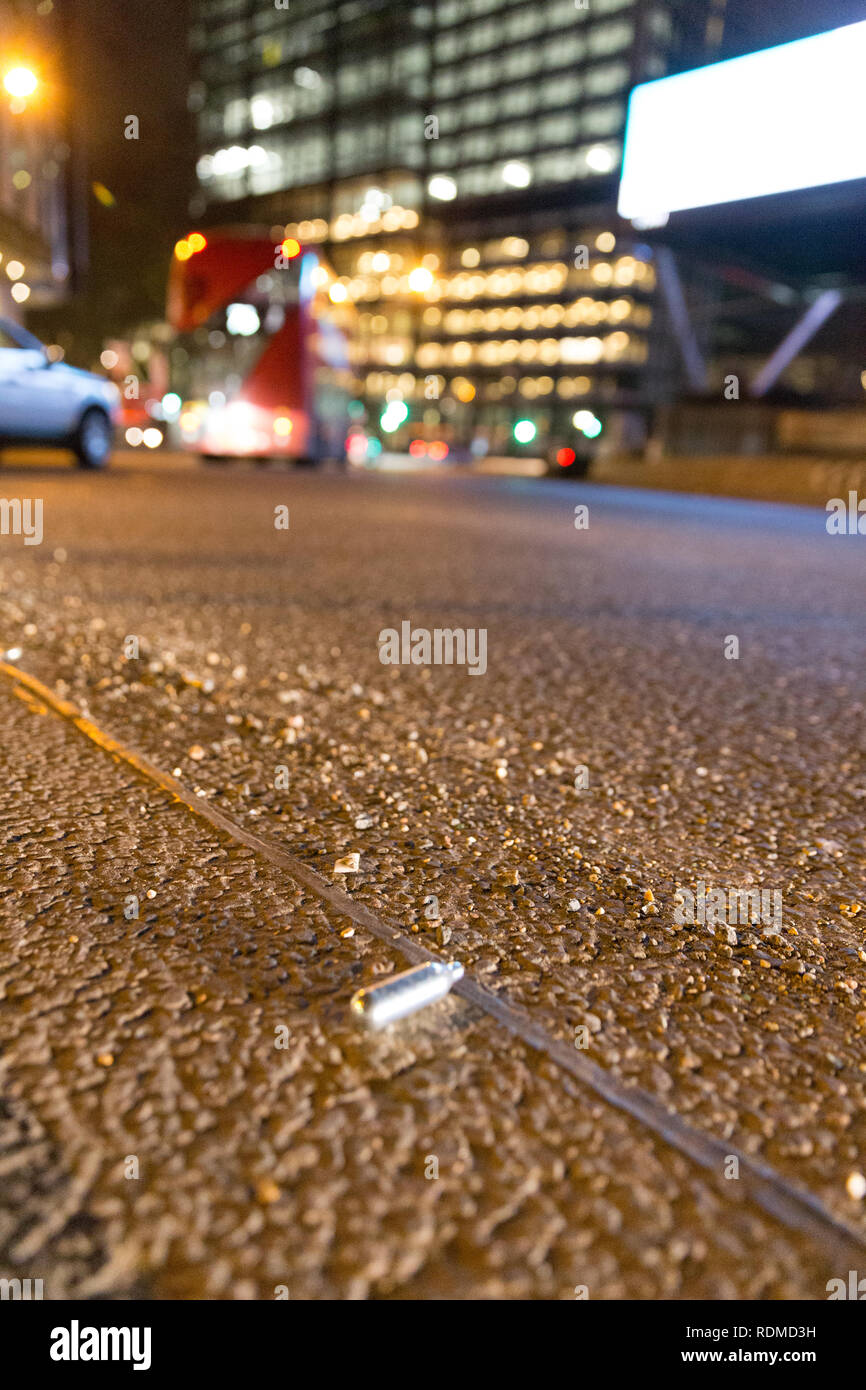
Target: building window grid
x=594 y=117
x=555 y=14
x=488 y=107
x=296 y=122
x=234 y=58
x=599 y=122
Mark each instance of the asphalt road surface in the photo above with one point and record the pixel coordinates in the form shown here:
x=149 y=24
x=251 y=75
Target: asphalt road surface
x=188 y=1108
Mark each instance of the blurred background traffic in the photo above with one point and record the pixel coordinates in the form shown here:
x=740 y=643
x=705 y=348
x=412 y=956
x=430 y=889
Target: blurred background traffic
x=368 y=229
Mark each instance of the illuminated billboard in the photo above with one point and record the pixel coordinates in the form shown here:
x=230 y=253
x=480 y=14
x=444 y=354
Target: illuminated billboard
x=786 y=118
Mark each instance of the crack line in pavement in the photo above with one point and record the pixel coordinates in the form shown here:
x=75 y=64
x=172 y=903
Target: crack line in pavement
x=792 y=1205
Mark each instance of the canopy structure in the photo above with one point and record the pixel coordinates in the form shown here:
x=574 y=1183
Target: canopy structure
x=749 y=178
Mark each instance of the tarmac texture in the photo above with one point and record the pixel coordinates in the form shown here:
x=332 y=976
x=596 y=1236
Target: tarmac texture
x=188 y=1109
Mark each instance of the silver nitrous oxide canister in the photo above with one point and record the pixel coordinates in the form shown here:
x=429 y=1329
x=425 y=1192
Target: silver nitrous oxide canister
x=404 y=993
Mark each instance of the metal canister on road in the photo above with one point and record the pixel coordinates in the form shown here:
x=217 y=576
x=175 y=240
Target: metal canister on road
x=405 y=993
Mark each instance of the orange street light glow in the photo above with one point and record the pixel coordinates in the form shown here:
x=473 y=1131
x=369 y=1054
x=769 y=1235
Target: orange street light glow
x=182 y=250
x=20 y=82
x=196 y=242
x=290 y=247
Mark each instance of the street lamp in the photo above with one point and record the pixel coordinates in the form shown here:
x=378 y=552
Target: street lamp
x=20 y=82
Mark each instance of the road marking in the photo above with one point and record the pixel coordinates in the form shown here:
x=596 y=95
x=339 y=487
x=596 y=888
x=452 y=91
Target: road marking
x=792 y=1205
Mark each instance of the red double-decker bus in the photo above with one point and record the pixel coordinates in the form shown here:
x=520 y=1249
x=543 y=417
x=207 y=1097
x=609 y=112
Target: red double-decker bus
x=261 y=361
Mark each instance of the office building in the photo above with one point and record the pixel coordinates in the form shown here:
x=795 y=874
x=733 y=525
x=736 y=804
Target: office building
x=458 y=161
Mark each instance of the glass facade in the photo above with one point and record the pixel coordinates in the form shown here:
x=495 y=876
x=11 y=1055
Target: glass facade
x=317 y=91
x=476 y=140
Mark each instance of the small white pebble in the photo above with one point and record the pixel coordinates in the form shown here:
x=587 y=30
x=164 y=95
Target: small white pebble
x=349 y=864
x=574 y=905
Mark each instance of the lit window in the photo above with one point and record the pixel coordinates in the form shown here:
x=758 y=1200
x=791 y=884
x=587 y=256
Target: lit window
x=442 y=188
x=558 y=129
x=478 y=145
x=608 y=77
x=520 y=62
x=235 y=117
x=607 y=38
x=606 y=119
x=516 y=174
x=600 y=159
x=262 y=113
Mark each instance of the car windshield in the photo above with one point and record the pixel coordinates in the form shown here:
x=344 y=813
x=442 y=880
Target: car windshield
x=13 y=336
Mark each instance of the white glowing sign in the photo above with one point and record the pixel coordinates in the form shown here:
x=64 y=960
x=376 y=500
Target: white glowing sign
x=785 y=118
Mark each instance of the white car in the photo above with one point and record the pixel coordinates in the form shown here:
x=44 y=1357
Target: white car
x=45 y=402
